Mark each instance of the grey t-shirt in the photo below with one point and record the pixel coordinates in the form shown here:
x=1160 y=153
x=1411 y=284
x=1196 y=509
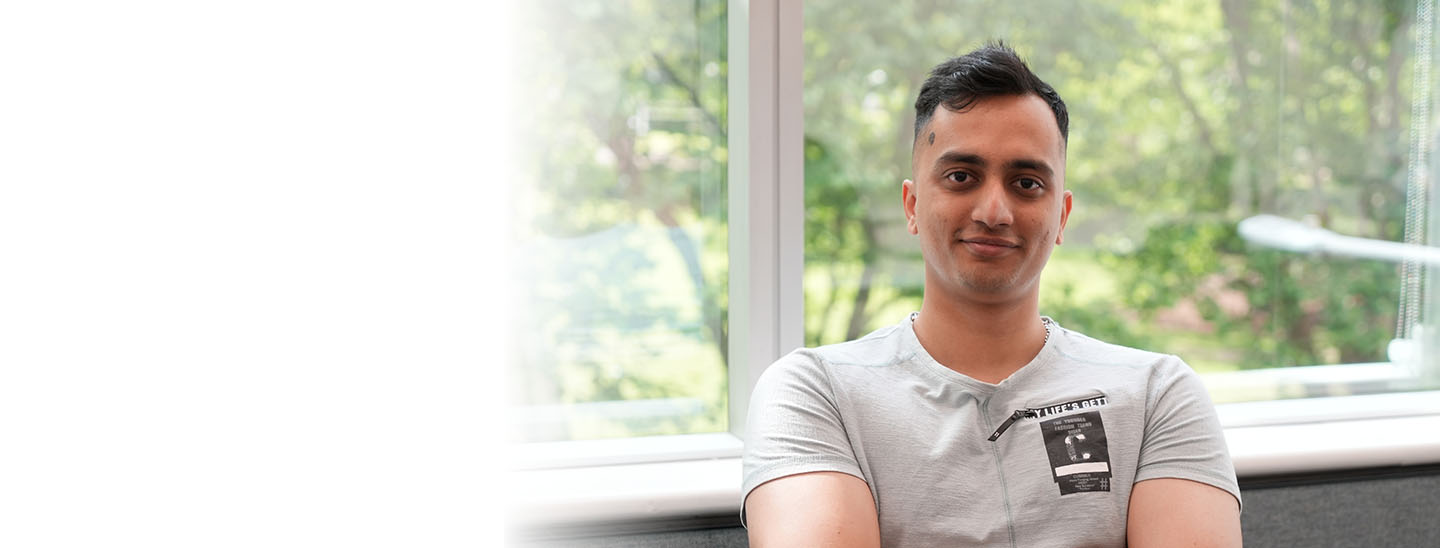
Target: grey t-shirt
x=1091 y=419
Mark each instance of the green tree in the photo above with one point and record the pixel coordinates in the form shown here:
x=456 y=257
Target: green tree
x=1187 y=117
x=625 y=138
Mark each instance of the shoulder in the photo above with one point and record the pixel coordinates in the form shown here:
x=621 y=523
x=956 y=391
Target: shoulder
x=821 y=367
x=1080 y=347
x=880 y=348
x=1155 y=373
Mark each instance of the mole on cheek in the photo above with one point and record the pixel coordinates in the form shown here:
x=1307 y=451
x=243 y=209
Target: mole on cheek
x=932 y=137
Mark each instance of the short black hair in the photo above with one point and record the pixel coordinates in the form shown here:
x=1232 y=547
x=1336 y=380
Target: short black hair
x=990 y=71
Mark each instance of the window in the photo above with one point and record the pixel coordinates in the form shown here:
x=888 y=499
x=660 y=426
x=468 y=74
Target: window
x=1165 y=162
x=1186 y=119
x=622 y=234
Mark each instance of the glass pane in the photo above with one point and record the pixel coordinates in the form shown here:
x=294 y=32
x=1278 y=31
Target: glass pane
x=1187 y=117
x=622 y=233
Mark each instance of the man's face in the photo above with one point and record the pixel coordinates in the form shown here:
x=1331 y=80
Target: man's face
x=988 y=197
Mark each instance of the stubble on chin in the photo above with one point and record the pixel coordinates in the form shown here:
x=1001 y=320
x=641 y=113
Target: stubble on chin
x=988 y=282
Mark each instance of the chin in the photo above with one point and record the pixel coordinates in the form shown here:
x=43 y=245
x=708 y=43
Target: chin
x=990 y=285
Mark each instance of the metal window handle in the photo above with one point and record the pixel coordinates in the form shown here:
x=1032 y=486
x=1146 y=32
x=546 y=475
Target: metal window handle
x=1291 y=235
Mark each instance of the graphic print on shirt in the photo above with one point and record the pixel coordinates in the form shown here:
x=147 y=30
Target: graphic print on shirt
x=1079 y=454
x=1062 y=408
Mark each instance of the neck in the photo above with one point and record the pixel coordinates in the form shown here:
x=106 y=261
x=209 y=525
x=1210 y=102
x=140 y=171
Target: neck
x=985 y=341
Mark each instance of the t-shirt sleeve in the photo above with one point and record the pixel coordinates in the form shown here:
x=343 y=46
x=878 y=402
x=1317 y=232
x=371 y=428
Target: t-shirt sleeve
x=793 y=425
x=1183 y=437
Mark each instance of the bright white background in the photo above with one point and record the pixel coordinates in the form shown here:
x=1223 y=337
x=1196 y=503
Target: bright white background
x=249 y=283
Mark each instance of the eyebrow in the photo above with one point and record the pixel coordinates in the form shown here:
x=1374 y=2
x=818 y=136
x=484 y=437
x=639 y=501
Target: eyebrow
x=954 y=157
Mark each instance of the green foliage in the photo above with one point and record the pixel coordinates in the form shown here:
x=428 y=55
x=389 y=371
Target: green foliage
x=625 y=264
x=1275 y=307
x=1187 y=116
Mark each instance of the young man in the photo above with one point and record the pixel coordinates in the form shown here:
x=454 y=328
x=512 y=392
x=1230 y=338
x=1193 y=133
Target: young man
x=976 y=421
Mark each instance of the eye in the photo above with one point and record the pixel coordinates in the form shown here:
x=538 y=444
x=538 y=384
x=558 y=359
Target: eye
x=959 y=177
x=1029 y=184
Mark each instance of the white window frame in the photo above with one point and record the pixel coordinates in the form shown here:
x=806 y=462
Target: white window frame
x=613 y=485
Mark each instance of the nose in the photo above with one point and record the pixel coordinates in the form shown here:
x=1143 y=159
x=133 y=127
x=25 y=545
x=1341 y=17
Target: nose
x=992 y=208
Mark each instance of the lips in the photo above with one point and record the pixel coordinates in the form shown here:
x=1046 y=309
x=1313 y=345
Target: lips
x=997 y=242
x=989 y=247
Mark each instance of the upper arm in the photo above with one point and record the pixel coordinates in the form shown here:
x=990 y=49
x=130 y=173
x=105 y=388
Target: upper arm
x=1177 y=512
x=829 y=509
x=1183 y=438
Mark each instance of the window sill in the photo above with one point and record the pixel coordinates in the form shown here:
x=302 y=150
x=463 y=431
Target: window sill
x=1323 y=434
x=1265 y=439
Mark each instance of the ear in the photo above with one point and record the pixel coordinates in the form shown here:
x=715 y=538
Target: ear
x=1064 y=217
x=907 y=195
